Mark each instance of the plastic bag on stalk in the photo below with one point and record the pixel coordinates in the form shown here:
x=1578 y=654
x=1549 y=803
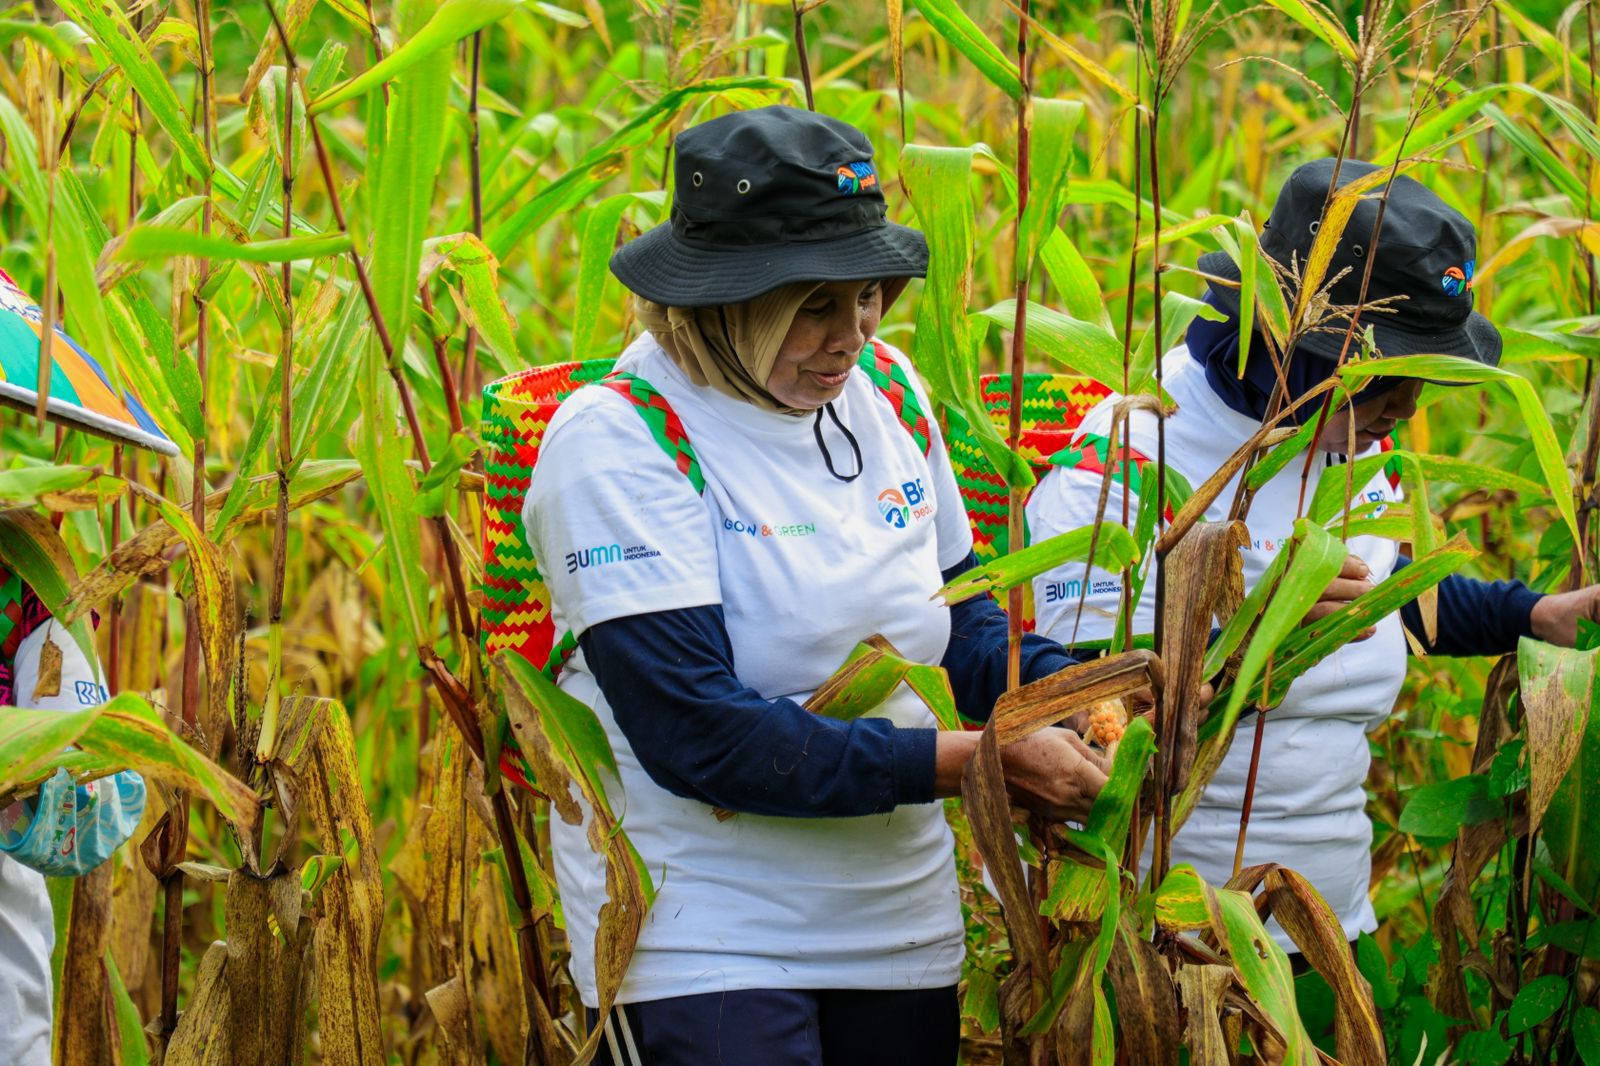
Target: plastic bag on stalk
x=68 y=828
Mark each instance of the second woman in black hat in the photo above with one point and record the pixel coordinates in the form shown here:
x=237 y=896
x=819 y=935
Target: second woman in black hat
x=1309 y=805
x=770 y=492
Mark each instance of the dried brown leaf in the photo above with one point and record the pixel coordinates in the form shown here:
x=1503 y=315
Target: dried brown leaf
x=1316 y=931
x=1205 y=577
x=82 y=1036
x=1557 y=687
x=1202 y=989
x=352 y=900
x=249 y=1005
x=1146 y=1000
x=49 y=680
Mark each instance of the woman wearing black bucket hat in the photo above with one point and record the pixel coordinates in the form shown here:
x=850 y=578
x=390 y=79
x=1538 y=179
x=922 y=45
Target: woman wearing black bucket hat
x=764 y=491
x=1308 y=811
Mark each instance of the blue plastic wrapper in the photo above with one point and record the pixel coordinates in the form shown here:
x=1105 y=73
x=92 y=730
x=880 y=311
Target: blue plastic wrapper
x=74 y=827
x=68 y=828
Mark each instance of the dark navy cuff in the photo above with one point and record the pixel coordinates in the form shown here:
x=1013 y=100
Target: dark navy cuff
x=914 y=755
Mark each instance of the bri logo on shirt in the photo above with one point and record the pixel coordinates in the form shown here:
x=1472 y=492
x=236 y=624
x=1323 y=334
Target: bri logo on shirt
x=899 y=506
x=605 y=554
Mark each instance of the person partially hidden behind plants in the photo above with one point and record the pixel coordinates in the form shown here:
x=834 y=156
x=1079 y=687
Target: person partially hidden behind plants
x=65 y=830
x=712 y=591
x=1309 y=802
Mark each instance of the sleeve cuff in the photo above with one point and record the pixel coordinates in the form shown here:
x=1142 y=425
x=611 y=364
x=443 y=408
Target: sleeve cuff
x=913 y=756
x=1519 y=605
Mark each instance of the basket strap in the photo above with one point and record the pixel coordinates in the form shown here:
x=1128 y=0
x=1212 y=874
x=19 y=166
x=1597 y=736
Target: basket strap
x=1088 y=452
x=665 y=426
x=890 y=378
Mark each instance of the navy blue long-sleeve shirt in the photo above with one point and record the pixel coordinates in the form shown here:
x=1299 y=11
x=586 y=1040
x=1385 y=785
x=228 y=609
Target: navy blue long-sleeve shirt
x=702 y=734
x=1475 y=617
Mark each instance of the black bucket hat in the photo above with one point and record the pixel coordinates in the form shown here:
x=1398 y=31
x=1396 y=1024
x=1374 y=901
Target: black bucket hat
x=765 y=198
x=1425 y=253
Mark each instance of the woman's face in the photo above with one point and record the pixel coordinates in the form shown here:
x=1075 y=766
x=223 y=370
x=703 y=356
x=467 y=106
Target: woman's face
x=1372 y=421
x=822 y=345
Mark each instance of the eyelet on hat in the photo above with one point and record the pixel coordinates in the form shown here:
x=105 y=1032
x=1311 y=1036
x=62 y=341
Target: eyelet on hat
x=699 y=179
x=743 y=186
x=1358 y=251
x=1316 y=224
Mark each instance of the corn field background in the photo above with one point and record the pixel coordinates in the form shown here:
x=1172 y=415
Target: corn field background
x=310 y=299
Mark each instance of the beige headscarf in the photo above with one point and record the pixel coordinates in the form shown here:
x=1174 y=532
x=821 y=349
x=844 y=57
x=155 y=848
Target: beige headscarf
x=730 y=348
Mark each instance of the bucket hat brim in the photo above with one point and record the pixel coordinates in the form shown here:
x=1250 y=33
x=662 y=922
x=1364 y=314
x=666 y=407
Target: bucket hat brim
x=670 y=270
x=1476 y=338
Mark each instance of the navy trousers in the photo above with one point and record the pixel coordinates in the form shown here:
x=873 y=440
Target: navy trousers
x=783 y=1027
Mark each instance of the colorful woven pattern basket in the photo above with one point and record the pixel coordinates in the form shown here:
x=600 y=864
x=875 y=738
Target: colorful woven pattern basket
x=516 y=411
x=1052 y=407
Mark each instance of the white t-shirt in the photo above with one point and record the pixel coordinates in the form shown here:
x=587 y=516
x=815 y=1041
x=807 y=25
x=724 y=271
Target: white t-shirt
x=1309 y=807
x=805 y=566
x=27 y=929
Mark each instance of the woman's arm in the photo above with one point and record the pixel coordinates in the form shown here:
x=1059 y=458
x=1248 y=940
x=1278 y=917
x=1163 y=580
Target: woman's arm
x=702 y=734
x=1478 y=617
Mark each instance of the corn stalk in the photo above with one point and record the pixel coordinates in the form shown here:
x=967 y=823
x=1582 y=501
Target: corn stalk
x=456 y=699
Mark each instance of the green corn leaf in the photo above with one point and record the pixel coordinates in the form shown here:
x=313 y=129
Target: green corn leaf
x=953 y=24
x=69 y=232
x=26 y=485
x=1314 y=17
x=1112 y=812
x=870 y=674
x=112 y=31
x=1326 y=500
x=1317 y=559
x=1181 y=901
x=596 y=240
x=1113 y=551
x=1448 y=368
x=31 y=741
x=575 y=735
x=479 y=274
x=324 y=392
x=1075 y=283
x=144 y=243
x=1053 y=124
x=453 y=20
x=1310 y=644
x=1182 y=230
x=938 y=180
x=1279 y=457
x=51 y=38
x=1177 y=311
x=1538 y=153
x=1075 y=345
x=131 y=1046
x=1263 y=968
x=406 y=168
x=124 y=733
x=32 y=549
x=596 y=165
x=382 y=457
x=436 y=490
x=1544 y=41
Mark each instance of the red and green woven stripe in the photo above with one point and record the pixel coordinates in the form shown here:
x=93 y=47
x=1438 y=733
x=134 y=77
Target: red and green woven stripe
x=516 y=602
x=891 y=379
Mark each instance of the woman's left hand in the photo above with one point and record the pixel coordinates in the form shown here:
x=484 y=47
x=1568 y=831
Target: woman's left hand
x=1054 y=773
x=1555 y=617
